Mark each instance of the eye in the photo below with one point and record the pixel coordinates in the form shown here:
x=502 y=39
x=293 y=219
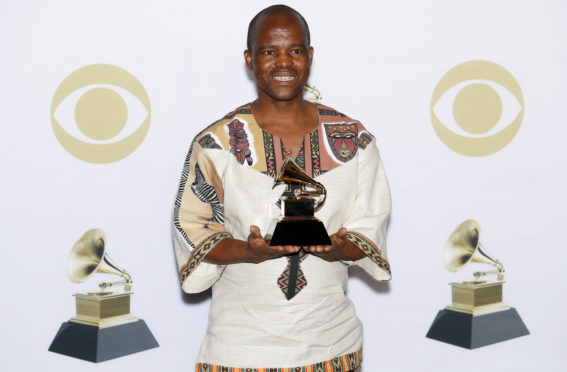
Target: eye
x=100 y=113
x=477 y=108
x=296 y=51
x=268 y=52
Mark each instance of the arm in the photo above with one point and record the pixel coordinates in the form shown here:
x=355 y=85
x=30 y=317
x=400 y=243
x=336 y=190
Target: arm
x=361 y=241
x=198 y=220
x=254 y=250
x=367 y=223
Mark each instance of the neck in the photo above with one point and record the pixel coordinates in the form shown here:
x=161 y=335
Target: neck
x=282 y=111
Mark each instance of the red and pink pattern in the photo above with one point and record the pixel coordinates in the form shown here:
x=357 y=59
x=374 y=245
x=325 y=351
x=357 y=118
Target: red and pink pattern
x=368 y=247
x=344 y=363
x=300 y=283
x=343 y=140
x=200 y=252
x=238 y=141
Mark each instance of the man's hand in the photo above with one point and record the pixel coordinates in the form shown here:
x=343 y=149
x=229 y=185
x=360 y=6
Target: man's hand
x=256 y=249
x=260 y=248
x=341 y=248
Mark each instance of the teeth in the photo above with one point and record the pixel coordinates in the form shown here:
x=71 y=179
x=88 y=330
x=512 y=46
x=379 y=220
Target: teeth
x=284 y=78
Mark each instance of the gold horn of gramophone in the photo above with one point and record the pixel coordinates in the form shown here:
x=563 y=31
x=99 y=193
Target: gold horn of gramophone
x=103 y=328
x=477 y=316
x=88 y=256
x=298 y=225
x=292 y=173
x=464 y=246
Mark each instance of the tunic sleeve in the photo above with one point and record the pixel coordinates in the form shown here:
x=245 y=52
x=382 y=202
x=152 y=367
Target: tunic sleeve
x=366 y=226
x=198 y=221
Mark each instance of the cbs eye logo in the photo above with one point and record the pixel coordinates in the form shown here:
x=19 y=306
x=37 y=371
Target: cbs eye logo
x=477 y=108
x=100 y=113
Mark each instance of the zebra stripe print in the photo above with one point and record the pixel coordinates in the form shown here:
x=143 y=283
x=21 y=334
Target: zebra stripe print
x=207 y=194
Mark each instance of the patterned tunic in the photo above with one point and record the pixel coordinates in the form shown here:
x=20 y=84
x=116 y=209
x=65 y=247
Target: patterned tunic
x=226 y=186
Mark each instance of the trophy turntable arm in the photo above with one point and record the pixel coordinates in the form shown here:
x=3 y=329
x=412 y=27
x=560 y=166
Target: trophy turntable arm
x=127 y=282
x=500 y=272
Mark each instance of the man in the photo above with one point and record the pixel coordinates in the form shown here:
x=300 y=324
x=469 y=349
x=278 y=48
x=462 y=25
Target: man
x=260 y=319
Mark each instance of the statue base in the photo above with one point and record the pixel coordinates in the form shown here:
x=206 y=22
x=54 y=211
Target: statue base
x=300 y=231
x=469 y=331
x=95 y=344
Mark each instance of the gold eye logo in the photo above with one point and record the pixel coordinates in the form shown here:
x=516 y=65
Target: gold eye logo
x=100 y=113
x=477 y=108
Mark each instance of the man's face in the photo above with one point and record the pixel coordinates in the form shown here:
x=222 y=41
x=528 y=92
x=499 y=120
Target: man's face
x=280 y=57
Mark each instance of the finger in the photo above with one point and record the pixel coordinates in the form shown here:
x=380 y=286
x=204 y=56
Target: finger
x=286 y=248
x=339 y=242
x=319 y=248
x=255 y=230
x=327 y=248
x=336 y=239
x=342 y=233
x=292 y=248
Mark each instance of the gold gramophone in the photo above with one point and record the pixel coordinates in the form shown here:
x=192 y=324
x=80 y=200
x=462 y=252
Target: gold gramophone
x=101 y=308
x=480 y=295
x=103 y=327
x=477 y=316
x=298 y=224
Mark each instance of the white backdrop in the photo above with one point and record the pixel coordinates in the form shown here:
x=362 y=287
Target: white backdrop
x=378 y=61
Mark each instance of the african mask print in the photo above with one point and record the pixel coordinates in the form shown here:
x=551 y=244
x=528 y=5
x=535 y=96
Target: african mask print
x=238 y=141
x=342 y=140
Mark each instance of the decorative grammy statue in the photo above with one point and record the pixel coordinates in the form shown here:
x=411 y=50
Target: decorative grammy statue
x=477 y=316
x=103 y=327
x=298 y=224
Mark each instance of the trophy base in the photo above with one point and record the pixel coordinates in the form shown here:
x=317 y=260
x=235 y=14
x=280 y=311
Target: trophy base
x=103 y=309
x=470 y=331
x=94 y=344
x=300 y=232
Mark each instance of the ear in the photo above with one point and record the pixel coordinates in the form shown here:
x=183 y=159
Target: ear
x=311 y=50
x=248 y=60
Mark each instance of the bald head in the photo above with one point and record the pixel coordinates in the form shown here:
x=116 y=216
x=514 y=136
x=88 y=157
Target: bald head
x=275 y=10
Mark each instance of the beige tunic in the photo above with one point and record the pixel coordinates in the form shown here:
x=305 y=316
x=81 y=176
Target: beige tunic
x=226 y=186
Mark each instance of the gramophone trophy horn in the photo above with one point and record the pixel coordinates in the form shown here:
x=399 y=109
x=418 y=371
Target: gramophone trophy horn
x=103 y=327
x=477 y=316
x=291 y=173
x=88 y=256
x=298 y=224
x=464 y=246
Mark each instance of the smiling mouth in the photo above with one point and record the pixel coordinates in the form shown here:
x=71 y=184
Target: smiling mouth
x=284 y=78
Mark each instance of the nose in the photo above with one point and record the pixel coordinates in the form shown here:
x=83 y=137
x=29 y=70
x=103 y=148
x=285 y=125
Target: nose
x=283 y=61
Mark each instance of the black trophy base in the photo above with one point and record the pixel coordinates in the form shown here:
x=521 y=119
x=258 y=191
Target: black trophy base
x=301 y=232
x=99 y=344
x=471 y=332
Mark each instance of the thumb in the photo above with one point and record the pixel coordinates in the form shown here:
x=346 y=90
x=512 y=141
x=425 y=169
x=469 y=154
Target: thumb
x=342 y=233
x=255 y=230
